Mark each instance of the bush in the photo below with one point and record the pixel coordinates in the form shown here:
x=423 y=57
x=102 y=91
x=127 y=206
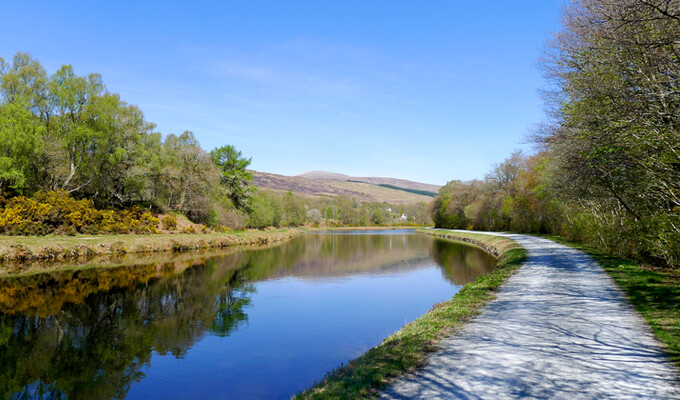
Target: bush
x=56 y=212
x=170 y=222
x=222 y=229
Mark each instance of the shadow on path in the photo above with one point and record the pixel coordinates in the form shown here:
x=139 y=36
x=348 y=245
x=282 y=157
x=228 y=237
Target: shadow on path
x=559 y=328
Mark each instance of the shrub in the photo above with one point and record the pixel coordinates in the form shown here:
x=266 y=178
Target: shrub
x=222 y=229
x=56 y=212
x=170 y=222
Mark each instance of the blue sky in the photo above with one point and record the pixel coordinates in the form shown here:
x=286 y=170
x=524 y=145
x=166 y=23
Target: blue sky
x=423 y=90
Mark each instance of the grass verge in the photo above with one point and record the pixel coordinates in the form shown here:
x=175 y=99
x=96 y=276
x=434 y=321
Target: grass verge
x=52 y=247
x=654 y=292
x=406 y=350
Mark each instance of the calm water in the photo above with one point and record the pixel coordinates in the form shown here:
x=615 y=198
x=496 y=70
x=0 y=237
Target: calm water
x=254 y=324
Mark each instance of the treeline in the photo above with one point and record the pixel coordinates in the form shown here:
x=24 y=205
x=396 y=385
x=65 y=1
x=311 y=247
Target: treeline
x=275 y=209
x=514 y=196
x=66 y=137
x=609 y=170
x=67 y=132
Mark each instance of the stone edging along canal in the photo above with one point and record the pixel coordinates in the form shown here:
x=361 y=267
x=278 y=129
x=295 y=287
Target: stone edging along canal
x=407 y=349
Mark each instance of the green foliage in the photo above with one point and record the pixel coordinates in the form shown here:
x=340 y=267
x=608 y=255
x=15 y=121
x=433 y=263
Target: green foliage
x=615 y=135
x=266 y=211
x=234 y=175
x=20 y=143
x=511 y=197
x=67 y=132
x=294 y=213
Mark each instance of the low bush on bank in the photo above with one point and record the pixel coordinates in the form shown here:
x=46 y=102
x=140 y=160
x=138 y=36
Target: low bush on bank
x=169 y=222
x=58 y=213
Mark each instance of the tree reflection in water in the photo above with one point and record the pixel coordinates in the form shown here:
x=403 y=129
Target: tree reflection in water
x=90 y=333
x=98 y=347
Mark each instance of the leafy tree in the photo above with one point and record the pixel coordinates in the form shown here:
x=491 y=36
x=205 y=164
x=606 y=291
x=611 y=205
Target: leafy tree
x=294 y=212
x=265 y=211
x=615 y=136
x=234 y=175
x=191 y=175
x=20 y=142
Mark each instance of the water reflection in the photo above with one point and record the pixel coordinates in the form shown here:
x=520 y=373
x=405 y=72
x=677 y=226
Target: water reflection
x=91 y=333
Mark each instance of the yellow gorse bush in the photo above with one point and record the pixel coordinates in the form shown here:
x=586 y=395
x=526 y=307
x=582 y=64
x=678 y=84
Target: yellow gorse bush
x=56 y=212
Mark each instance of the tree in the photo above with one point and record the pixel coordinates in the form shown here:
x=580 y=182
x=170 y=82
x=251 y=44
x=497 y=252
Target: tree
x=234 y=175
x=294 y=212
x=616 y=109
x=191 y=175
x=20 y=142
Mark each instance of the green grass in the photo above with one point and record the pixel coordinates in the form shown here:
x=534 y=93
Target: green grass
x=654 y=292
x=406 y=349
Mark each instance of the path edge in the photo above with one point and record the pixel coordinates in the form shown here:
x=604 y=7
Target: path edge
x=407 y=349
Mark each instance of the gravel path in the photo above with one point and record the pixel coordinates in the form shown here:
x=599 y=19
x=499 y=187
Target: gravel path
x=558 y=329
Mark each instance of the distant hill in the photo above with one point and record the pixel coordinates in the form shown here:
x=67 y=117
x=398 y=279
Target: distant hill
x=393 y=182
x=321 y=183
x=325 y=175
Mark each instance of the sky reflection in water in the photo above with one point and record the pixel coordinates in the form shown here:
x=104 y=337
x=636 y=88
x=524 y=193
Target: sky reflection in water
x=251 y=324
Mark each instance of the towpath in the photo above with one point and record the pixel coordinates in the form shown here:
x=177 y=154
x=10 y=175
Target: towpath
x=558 y=329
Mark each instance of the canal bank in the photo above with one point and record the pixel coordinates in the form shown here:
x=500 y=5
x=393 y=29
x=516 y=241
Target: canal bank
x=559 y=328
x=407 y=349
x=16 y=250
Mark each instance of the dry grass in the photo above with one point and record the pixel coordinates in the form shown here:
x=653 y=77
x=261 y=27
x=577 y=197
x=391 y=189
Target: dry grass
x=52 y=247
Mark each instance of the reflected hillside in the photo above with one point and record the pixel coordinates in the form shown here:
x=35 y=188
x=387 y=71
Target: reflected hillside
x=90 y=333
x=461 y=264
x=312 y=256
x=333 y=255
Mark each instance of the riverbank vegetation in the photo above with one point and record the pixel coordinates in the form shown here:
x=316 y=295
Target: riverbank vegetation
x=76 y=158
x=15 y=251
x=608 y=170
x=406 y=349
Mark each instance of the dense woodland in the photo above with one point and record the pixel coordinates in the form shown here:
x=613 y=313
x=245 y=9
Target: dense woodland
x=608 y=172
x=74 y=157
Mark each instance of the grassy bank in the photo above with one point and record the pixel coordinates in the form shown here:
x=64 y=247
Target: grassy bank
x=406 y=349
x=361 y=228
x=654 y=292
x=53 y=247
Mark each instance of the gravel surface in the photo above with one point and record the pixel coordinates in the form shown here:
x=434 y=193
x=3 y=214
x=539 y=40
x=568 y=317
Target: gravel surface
x=558 y=329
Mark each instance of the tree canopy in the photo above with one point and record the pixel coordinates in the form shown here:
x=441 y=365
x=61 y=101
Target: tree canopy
x=234 y=175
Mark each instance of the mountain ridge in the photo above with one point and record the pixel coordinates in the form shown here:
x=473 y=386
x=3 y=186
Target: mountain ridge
x=374 y=180
x=331 y=184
